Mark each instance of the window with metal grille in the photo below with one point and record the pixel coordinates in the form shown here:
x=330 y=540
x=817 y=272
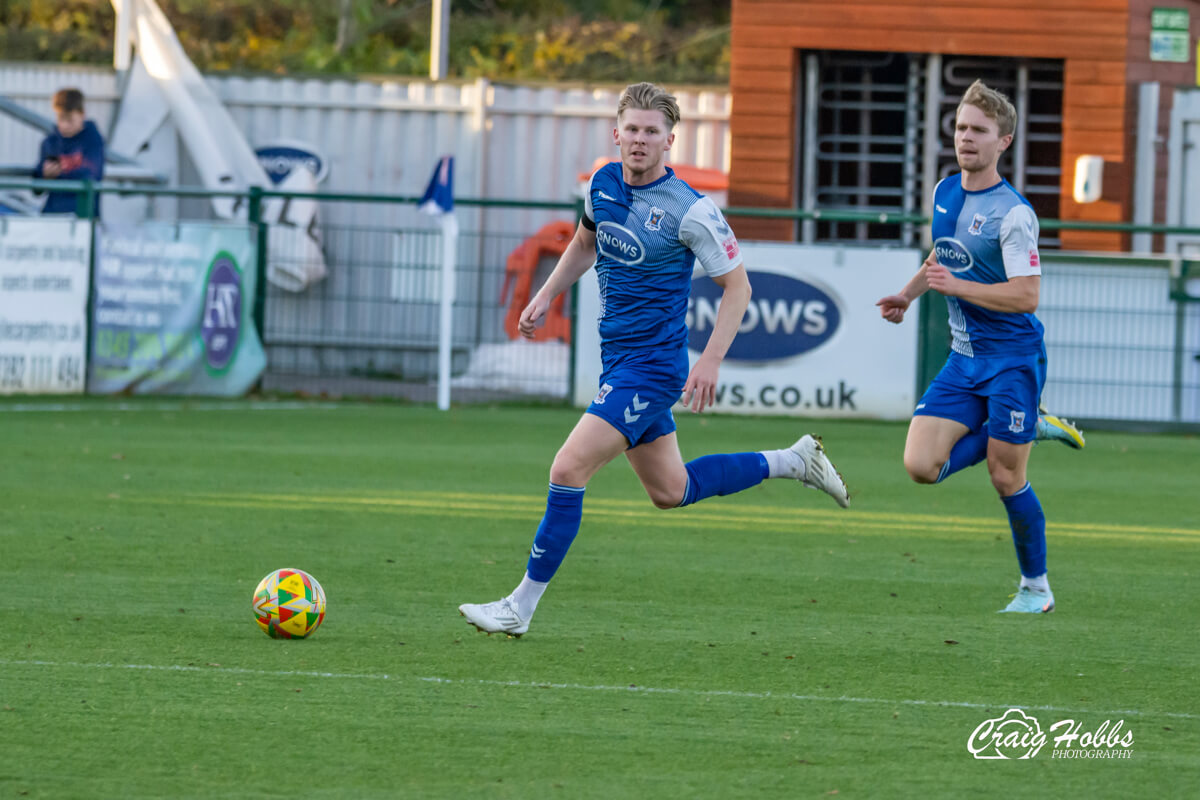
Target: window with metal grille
x=867 y=145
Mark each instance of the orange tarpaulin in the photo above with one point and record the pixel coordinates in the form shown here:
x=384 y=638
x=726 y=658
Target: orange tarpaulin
x=519 y=272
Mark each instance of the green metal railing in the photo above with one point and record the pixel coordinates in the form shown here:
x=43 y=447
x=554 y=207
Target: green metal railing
x=933 y=330
x=88 y=190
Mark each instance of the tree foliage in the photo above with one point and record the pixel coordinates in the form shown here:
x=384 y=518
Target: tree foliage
x=588 y=40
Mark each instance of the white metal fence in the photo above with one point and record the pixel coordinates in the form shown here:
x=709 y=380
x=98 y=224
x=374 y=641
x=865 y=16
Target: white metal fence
x=516 y=142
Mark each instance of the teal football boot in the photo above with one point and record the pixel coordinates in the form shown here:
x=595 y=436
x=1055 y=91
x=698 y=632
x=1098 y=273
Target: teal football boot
x=1028 y=601
x=1052 y=428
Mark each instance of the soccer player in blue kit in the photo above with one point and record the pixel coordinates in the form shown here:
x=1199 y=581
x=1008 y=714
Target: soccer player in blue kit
x=984 y=402
x=643 y=229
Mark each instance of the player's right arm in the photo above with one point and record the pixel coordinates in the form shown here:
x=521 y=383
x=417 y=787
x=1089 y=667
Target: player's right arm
x=893 y=306
x=575 y=260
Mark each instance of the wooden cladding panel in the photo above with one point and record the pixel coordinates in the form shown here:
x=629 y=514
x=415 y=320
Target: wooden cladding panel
x=780 y=79
x=1087 y=96
x=768 y=104
x=754 y=125
x=1093 y=240
x=761 y=171
x=760 y=195
x=801 y=6
x=1091 y=118
x=982 y=21
x=1084 y=71
x=1042 y=43
x=773 y=148
x=1110 y=144
x=753 y=57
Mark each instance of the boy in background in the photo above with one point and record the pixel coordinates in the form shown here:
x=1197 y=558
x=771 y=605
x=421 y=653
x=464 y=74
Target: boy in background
x=74 y=152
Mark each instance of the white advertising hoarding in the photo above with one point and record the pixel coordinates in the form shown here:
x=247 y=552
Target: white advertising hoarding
x=43 y=304
x=812 y=342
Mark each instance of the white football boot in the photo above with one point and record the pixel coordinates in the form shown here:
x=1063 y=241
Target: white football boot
x=1028 y=600
x=819 y=472
x=502 y=616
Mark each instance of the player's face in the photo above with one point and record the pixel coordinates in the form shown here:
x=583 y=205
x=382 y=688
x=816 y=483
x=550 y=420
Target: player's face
x=977 y=140
x=644 y=138
x=69 y=123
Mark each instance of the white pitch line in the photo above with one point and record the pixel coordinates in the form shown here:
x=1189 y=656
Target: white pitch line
x=182 y=405
x=583 y=687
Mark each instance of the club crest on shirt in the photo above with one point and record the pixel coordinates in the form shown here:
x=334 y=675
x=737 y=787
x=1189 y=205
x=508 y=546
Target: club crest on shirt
x=1016 y=421
x=603 y=393
x=977 y=224
x=654 y=219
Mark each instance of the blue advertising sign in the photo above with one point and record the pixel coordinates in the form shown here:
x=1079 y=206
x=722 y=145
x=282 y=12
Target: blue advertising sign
x=280 y=158
x=221 y=323
x=171 y=310
x=786 y=317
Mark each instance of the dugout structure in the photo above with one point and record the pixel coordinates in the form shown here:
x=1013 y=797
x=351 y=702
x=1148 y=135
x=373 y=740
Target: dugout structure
x=848 y=105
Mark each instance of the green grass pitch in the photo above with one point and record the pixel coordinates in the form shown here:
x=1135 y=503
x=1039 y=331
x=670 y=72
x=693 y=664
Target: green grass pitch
x=764 y=645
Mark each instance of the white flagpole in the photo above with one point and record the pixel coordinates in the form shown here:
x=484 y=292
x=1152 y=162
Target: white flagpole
x=121 y=43
x=449 y=225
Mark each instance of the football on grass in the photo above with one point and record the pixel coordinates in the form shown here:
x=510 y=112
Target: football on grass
x=289 y=604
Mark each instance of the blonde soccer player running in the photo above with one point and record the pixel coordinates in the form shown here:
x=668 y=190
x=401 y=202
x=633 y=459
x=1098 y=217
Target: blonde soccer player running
x=984 y=402
x=643 y=228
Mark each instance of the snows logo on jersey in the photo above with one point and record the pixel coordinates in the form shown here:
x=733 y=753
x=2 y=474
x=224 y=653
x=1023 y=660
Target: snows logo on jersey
x=619 y=243
x=1034 y=261
x=952 y=254
x=654 y=219
x=977 y=224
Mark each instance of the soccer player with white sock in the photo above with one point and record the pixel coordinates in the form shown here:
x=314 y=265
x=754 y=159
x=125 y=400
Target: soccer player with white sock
x=643 y=228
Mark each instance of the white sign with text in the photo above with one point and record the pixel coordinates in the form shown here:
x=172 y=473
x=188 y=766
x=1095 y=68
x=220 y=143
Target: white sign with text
x=43 y=304
x=811 y=343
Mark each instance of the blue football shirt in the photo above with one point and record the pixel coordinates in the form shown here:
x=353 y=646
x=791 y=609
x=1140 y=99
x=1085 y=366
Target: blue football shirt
x=648 y=239
x=987 y=236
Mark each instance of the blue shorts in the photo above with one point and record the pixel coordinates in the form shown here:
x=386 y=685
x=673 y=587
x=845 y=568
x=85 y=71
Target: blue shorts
x=1003 y=391
x=636 y=393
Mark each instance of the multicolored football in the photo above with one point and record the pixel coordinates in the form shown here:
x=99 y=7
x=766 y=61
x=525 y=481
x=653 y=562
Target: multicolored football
x=289 y=604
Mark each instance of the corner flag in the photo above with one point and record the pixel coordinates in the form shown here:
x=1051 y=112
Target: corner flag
x=439 y=195
x=438 y=200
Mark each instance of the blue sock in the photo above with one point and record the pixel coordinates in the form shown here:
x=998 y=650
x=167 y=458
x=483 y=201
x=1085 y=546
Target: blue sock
x=1028 y=525
x=723 y=474
x=967 y=452
x=564 y=510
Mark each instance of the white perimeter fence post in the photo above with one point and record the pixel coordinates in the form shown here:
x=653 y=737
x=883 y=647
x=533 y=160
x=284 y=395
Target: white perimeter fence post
x=446 y=318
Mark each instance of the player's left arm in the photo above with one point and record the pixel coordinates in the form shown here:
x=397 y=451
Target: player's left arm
x=705 y=232
x=1020 y=292
x=700 y=390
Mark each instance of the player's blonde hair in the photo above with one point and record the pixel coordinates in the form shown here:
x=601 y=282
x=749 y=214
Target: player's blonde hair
x=648 y=97
x=992 y=103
